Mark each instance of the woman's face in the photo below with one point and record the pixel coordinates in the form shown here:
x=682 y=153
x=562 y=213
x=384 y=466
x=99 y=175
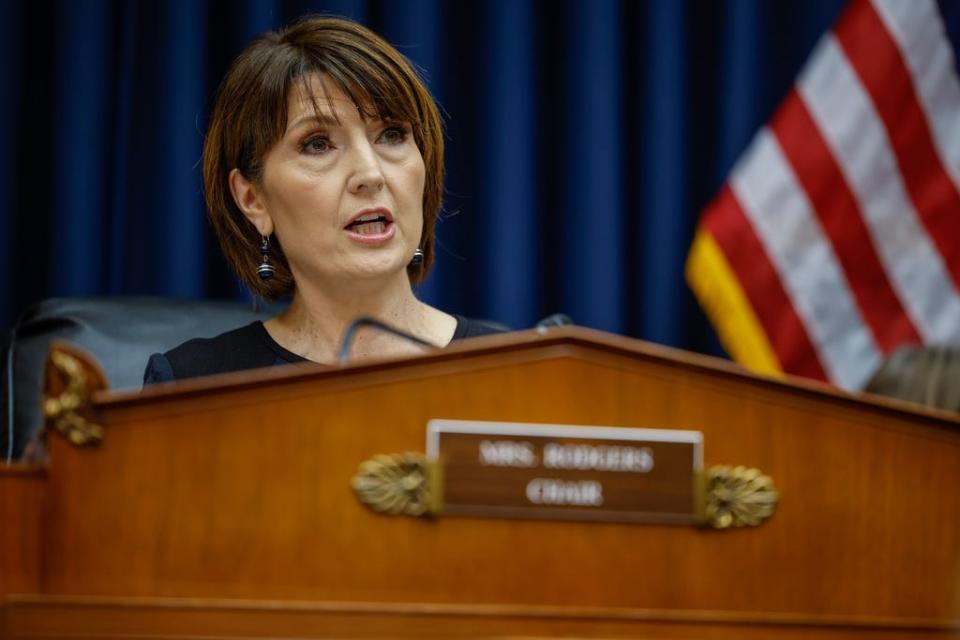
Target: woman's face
x=345 y=199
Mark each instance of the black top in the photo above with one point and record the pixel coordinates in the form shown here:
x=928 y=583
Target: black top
x=251 y=347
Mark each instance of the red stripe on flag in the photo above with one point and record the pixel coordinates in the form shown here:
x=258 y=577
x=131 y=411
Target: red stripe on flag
x=877 y=60
x=839 y=215
x=760 y=282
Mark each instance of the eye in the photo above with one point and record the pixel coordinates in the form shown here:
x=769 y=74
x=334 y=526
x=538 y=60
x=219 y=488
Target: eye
x=316 y=144
x=394 y=135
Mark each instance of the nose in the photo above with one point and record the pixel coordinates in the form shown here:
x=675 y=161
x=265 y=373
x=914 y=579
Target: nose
x=367 y=176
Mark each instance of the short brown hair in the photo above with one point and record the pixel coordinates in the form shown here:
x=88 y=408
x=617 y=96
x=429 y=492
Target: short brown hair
x=250 y=116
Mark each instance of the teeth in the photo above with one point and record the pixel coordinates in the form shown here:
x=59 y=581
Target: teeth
x=370 y=228
x=368 y=217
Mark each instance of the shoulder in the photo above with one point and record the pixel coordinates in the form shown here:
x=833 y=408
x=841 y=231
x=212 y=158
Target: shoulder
x=472 y=328
x=237 y=350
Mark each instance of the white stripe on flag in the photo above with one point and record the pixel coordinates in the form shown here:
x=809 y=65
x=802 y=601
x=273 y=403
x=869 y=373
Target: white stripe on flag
x=846 y=117
x=918 y=30
x=779 y=210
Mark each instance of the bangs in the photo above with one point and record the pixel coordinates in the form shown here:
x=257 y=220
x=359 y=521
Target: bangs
x=375 y=87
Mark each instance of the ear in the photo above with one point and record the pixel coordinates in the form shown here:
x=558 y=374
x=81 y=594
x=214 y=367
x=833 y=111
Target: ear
x=251 y=202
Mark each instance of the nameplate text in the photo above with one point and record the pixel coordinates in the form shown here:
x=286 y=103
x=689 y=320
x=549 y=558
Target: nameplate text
x=616 y=474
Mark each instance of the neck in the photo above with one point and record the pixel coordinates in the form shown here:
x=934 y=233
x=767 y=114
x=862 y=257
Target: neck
x=314 y=323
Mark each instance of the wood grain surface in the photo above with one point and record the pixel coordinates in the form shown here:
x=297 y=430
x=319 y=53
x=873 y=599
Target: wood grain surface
x=22 y=492
x=115 y=618
x=239 y=488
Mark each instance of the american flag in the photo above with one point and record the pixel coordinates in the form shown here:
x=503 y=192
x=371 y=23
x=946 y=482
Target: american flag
x=836 y=238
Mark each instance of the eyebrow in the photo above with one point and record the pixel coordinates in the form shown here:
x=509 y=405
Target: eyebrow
x=322 y=119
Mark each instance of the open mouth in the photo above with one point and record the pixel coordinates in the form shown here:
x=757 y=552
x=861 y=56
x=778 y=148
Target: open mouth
x=374 y=223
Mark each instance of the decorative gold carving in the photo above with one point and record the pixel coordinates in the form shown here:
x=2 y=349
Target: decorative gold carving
x=63 y=410
x=401 y=483
x=735 y=497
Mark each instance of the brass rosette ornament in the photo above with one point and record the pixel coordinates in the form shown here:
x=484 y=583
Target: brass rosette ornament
x=399 y=484
x=735 y=497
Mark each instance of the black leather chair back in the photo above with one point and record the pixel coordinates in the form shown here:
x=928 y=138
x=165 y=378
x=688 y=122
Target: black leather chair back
x=121 y=333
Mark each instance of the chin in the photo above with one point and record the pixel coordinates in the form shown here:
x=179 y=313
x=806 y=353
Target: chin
x=375 y=269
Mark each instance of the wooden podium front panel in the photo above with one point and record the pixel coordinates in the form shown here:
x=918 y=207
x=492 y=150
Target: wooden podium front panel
x=22 y=493
x=243 y=492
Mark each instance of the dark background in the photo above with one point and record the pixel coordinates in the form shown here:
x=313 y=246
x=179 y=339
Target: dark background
x=584 y=138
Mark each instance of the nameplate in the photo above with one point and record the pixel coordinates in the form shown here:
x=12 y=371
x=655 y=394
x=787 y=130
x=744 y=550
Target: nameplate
x=614 y=474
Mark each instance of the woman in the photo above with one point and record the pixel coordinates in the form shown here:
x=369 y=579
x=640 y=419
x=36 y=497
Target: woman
x=323 y=173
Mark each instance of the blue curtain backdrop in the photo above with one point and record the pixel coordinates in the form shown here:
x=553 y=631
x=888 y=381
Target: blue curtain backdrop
x=584 y=138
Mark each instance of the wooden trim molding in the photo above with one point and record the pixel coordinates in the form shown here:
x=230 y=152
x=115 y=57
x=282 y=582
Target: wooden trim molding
x=69 y=617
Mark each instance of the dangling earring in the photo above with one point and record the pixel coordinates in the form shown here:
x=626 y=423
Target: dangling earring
x=418 y=256
x=265 y=270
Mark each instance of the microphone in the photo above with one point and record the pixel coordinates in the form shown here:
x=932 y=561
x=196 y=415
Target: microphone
x=555 y=320
x=373 y=323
